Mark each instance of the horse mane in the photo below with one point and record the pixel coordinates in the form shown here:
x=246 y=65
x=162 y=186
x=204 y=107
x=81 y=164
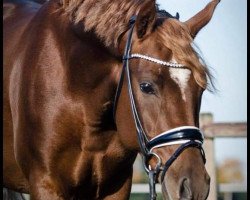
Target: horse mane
x=109 y=20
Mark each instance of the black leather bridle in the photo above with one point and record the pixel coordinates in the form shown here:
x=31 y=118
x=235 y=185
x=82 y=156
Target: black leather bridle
x=187 y=136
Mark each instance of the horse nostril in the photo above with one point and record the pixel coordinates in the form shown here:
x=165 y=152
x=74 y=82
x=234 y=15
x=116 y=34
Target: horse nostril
x=185 y=190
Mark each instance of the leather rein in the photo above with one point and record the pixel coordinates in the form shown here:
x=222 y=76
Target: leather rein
x=187 y=136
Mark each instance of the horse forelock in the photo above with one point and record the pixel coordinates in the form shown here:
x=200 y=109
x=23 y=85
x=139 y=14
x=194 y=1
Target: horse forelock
x=175 y=36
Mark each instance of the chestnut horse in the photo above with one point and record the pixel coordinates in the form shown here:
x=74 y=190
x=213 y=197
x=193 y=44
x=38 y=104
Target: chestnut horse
x=77 y=111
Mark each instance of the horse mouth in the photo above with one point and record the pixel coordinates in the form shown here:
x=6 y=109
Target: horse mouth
x=184 y=194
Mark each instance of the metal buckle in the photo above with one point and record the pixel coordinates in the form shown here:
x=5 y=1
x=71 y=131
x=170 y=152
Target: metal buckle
x=152 y=173
x=147 y=167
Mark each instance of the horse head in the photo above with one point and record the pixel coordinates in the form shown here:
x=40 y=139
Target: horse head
x=162 y=90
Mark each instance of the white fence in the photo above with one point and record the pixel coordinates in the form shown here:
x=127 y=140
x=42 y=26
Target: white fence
x=220 y=130
x=223 y=188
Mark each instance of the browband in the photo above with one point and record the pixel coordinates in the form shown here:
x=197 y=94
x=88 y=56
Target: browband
x=173 y=63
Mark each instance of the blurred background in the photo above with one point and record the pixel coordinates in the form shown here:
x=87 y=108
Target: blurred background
x=223 y=43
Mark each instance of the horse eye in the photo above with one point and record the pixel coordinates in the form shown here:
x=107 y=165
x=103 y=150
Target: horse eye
x=147 y=88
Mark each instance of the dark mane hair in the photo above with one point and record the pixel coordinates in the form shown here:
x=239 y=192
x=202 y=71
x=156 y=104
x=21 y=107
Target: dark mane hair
x=164 y=14
x=107 y=18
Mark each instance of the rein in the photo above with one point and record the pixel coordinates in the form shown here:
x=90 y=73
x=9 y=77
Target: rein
x=187 y=136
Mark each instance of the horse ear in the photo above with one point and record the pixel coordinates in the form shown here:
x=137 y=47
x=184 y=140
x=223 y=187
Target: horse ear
x=146 y=18
x=197 y=22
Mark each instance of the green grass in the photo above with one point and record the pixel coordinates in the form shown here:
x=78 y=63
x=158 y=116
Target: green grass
x=236 y=196
x=136 y=196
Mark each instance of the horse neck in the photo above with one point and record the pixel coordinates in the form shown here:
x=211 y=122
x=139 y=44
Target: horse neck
x=86 y=67
x=107 y=18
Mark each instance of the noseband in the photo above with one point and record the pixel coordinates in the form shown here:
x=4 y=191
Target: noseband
x=186 y=136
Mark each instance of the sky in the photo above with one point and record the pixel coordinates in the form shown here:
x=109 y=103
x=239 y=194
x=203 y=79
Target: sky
x=223 y=43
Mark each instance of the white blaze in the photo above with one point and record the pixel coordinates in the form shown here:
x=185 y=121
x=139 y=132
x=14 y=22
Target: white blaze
x=181 y=77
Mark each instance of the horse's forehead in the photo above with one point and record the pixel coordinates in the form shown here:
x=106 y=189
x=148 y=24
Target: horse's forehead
x=181 y=77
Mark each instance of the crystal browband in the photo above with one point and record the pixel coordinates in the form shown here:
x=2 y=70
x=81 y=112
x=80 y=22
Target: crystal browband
x=155 y=60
